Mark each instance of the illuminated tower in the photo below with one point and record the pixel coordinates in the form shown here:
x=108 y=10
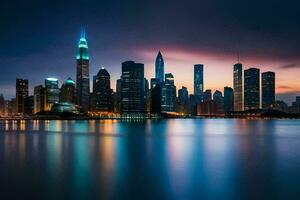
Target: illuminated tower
x=82 y=76
x=21 y=94
x=198 y=79
x=159 y=68
x=268 y=89
x=238 y=87
x=251 y=89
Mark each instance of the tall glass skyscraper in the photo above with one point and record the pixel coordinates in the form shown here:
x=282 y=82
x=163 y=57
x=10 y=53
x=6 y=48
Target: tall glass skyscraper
x=159 y=67
x=133 y=88
x=251 y=89
x=51 y=93
x=82 y=76
x=39 y=99
x=102 y=91
x=268 y=89
x=168 y=94
x=198 y=79
x=21 y=94
x=228 y=99
x=238 y=87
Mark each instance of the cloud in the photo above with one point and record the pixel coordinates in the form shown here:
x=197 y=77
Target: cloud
x=290 y=66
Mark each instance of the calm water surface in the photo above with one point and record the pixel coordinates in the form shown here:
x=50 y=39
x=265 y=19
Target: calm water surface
x=167 y=159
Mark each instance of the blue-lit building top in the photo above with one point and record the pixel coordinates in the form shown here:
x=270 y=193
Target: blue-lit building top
x=82 y=52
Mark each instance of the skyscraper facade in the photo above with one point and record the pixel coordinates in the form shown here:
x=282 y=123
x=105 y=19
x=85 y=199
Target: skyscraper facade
x=102 y=91
x=168 y=94
x=21 y=94
x=268 y=89
x=183 y=95
x=51 y=93
x=159 y=67
x=219 y=102
x=133 y=87
x=251 y=89
x=82 y=75
x=39 y=99
x=198 y=79
x=228 y=99
x=67 y=92
x=238 y=87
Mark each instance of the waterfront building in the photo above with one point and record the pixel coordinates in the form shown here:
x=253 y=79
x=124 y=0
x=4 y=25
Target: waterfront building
x=183 y=101
x=268 y=89
x=82 y=74
x=238 y=87
x=67 y=92
x=207 y=108
x=228 y=99
x=29 y=105
x=51 y=93
x=168 y=94
x=102 y=91
x=2 y=105
x=21 y=94
x=251 y=89
x=207 y=96
x=198 y=79
x=118 y=95
x=132 y=93
x=219 y=102
x=39 y=99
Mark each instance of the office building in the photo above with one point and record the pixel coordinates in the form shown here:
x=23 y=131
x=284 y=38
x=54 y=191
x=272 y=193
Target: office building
x=159 y=67
x=102 y=91
x=219 y=102
x=198 y=79
x=168 y=94
x=82 y=75
x=251 y=89
x=51 y=93
x=228 y=99
x=238 y=87
x=67 y=92
x=21 y=94
x=132 y=93
x=39 y=99
x=268 y=89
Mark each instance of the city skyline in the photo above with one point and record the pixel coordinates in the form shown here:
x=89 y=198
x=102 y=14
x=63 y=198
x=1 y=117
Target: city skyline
x=210 y=37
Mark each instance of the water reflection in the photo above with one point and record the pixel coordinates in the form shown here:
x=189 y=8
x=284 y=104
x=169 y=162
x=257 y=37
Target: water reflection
x=163 y=159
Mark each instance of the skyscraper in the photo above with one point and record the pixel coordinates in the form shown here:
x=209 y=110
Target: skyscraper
x=198 y=79
x=82 y=77
x=207 y=95
x=133 y=87
x=159 y=67
x=228 y=99
x=39 y=99
x=67 y=93
x=251 y=89
x=183 y=95
x=238 y=87
x=268 y=89
x=51 y=93
x=168 y=94
x=118 y=95
x=219 y=102
x=102 y=91
x=21 y=94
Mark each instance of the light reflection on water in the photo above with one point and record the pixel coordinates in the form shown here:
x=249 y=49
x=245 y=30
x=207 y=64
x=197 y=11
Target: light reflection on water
x=163 y=159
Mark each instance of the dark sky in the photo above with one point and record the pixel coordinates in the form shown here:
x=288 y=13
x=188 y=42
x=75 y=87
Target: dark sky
x=38 y=38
